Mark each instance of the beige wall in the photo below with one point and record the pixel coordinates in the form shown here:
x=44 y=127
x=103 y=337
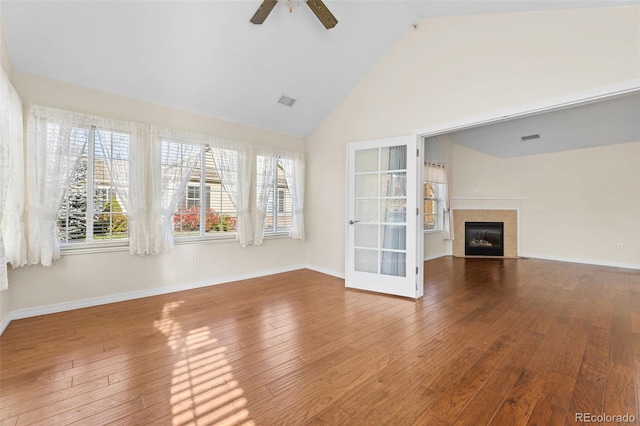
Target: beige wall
x=5 y=58
x=85 y=276
x=461 y=67
x=577 y=205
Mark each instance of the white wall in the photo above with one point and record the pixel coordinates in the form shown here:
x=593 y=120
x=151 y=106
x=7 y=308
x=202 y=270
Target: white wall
x=462 y=67
x=577 y=205
x=100 y=275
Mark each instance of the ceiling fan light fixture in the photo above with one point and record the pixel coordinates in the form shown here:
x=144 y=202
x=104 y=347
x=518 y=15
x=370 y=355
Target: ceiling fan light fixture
x=286 y=100
x=317 y=7
x=289 y=3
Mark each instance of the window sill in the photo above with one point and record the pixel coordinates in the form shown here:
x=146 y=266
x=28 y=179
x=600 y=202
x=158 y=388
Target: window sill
x=432 y=231
x=82 y=248
x=205 y=240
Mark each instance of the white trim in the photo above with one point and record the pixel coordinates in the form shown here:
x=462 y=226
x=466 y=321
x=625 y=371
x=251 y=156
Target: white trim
x=327 y=271
x=5 y=322
x=583 y=261
x=488 y=198
x=435 y=256
x=121 y=297
x=567 y=101
x=432 y=231
x=89 y=248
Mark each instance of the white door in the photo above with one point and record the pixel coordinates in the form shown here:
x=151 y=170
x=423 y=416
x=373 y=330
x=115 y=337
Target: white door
x=384 y=243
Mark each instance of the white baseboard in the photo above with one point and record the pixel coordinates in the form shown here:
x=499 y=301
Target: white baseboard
x=5 y=322
x=328 y=271
x=121 y=297
x=435 y=256
x=582 y=261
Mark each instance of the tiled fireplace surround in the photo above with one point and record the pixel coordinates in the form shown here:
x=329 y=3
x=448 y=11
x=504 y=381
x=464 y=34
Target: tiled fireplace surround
x=509 y=217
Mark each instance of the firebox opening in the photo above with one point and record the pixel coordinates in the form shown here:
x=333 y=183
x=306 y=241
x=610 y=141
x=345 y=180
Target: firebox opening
x=484 y=239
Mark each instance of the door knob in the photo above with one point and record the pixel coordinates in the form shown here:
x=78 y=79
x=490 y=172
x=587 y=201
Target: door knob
x=353 y=222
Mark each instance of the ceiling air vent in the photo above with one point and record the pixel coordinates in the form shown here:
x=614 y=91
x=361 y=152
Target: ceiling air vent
x=285 y=100
x=529 y=137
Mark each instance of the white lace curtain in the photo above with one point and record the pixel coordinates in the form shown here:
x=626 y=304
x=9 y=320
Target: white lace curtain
x=293 y=165
x=439 y=174
x=12 y=244
x=173 y=162
x=266 y=161
x=55 y=143
x=233 y=163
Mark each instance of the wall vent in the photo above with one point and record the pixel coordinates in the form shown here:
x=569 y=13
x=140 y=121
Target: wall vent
x=529 y=137
x=285 y=100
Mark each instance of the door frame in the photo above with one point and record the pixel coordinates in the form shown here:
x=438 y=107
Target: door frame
x=549 y=105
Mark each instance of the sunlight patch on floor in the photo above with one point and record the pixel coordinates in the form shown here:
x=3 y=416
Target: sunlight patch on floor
x=203 y=390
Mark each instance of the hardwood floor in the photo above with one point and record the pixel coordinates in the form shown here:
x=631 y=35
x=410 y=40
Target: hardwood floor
x=499 y=342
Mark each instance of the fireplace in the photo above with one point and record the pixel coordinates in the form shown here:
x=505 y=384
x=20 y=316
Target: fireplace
x=484 y=238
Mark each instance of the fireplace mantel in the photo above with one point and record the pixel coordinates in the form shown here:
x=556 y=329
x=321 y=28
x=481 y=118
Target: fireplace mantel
x=509 y=217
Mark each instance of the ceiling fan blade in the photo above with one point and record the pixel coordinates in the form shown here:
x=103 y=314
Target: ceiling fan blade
x=322 y=12
x=263 y=11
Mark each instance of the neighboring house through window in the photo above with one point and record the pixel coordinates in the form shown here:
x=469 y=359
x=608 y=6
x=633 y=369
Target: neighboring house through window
x=207 y=210
x=279 y=212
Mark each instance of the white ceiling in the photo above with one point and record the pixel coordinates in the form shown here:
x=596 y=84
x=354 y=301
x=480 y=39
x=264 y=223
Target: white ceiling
x=206 y=57
x=607 y=122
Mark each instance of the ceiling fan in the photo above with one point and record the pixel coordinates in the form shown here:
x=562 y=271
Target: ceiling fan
x=317 y=7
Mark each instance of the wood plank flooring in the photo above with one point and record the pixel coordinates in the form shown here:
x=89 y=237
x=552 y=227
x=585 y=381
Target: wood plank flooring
x=493 y=341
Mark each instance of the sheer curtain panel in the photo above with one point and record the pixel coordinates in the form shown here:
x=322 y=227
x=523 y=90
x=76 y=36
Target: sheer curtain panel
x=173 y=162
x=55 y=142
x=293 y=165
x=12 y=245
x=265 y=166
x=233 y=164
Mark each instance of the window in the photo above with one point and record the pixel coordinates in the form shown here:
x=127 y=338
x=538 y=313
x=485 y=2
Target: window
x=279 y=211
x=207 y=210
x=92 y=209
x=432 y=206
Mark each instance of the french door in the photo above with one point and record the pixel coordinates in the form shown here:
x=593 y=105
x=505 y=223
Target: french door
x=384 y=242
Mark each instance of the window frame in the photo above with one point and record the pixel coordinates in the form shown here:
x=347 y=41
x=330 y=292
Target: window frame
x=438 y=208
x=89 y=244
x=273 y=209
x=202 y=234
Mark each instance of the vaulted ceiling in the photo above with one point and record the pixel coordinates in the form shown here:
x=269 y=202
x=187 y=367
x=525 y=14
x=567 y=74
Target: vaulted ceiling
x=206 y=57
x=605 y=122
